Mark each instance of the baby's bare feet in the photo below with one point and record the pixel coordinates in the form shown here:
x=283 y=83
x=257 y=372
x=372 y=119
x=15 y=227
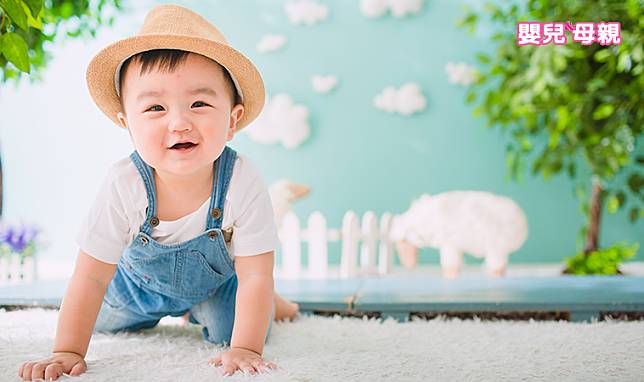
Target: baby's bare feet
x=284 y=309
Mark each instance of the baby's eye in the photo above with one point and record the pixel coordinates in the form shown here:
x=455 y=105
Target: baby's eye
x=155 y=108
x=200 y=104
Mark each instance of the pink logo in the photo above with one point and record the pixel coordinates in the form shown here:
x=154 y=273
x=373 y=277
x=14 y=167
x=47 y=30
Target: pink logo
x=554 y=32
x=586 y=33
x=609 y=33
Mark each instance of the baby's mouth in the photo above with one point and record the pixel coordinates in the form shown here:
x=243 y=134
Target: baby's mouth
x=182 y=146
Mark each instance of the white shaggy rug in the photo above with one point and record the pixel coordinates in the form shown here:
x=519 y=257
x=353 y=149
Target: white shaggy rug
x=348 y=349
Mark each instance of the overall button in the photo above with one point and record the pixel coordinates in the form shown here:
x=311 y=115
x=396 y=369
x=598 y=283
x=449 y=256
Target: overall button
x=144 y=240
x=215 y=213
x=212 y=234
x=154 y=221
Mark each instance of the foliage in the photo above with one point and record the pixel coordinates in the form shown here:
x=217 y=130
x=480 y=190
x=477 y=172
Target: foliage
x=581 y=101
x=603 y=261
x=563 y=103
x=27 y=27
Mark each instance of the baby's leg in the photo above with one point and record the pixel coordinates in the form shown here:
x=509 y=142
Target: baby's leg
x=115 y=316
x=284 y=309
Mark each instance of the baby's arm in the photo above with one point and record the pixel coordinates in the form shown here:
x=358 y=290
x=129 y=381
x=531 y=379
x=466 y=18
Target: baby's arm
x=76 y=320
x=253 y=308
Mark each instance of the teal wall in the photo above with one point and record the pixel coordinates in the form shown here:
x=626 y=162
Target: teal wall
x=362 y=158
x=57 y=146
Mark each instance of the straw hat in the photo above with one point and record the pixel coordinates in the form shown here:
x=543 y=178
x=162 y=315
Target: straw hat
x=174 y=27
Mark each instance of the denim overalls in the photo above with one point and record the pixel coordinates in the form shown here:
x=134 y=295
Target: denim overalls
x=153 y=280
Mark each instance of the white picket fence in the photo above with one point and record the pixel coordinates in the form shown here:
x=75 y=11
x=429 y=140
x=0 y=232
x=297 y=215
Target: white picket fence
x=366 y=248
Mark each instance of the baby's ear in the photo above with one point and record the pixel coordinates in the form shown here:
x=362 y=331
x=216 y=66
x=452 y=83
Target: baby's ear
x=235 y=115
x=122 y=120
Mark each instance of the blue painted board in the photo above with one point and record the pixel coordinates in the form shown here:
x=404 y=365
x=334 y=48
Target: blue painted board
x=564 y=293
x=311 y=294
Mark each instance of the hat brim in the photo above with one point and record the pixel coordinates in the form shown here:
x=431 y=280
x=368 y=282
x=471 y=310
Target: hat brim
x=101 y=70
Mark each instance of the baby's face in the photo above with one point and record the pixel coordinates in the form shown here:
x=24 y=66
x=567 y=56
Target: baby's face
x=192 y=103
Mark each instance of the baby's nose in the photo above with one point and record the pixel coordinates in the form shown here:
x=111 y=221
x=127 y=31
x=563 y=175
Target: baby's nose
x=180 y=123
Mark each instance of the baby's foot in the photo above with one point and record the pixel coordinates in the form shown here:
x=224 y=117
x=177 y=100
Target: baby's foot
x=291 y=312
x=285 y=309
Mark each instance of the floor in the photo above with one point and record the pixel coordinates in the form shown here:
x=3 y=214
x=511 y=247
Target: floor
x=527 y=292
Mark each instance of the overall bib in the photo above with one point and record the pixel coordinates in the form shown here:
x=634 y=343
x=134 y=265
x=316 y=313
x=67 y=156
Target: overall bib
x=153 y=280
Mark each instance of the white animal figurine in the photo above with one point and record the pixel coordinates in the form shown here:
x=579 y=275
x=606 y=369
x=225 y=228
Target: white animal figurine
x=479 y=223
x=283 y=193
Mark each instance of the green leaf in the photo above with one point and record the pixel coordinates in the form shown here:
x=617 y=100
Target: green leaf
x=471 y=96
x=553 y=140
x=602 y=55
x=483 y=58
x=624 y=62
x=612 y=204
x=16 y=13
x=15 y=49
x=633 y=215
x=34 y=21
x=35 y=6
x=563 y=116
x=572 y=170
x=66 y=10
x=525 y=144
x=621 y=197
x=603 y=111
x=635 y=183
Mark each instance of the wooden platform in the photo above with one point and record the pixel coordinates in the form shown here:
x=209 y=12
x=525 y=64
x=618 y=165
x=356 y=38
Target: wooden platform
x=566 y=297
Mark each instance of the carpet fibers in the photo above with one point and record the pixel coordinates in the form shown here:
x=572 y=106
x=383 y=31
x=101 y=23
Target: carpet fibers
x=315 y=348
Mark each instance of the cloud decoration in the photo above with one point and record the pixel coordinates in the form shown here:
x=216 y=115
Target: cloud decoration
x=461 y=73
x=406 y=101
x=398 y=8
x=281 y=121
x=308 y=12
x=271 y=43
x=324 y=84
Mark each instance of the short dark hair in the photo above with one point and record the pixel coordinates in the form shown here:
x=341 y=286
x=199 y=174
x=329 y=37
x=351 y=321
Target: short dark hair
x=168 y=60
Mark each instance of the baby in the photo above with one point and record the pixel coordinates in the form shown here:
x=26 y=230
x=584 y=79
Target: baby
x=184 y=225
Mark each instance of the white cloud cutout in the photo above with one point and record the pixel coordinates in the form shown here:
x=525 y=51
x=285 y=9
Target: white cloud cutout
x=398 y=8
x=308 y=12
x=281 y=121
x=406 y=101
x=324 y=84
x=461 y=73
x=271 y=43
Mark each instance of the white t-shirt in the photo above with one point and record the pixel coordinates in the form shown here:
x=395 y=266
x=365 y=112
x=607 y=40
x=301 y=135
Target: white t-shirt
x=116 y=216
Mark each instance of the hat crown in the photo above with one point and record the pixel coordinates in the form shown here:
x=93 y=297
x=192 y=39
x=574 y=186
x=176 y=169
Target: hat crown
x=173 y=19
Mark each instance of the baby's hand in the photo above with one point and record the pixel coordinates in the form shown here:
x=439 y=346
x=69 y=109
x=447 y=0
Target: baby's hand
x=53 y=367
x=241 y=359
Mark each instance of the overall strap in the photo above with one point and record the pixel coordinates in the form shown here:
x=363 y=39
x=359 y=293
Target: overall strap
x=151 y=219
x=221 y=179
